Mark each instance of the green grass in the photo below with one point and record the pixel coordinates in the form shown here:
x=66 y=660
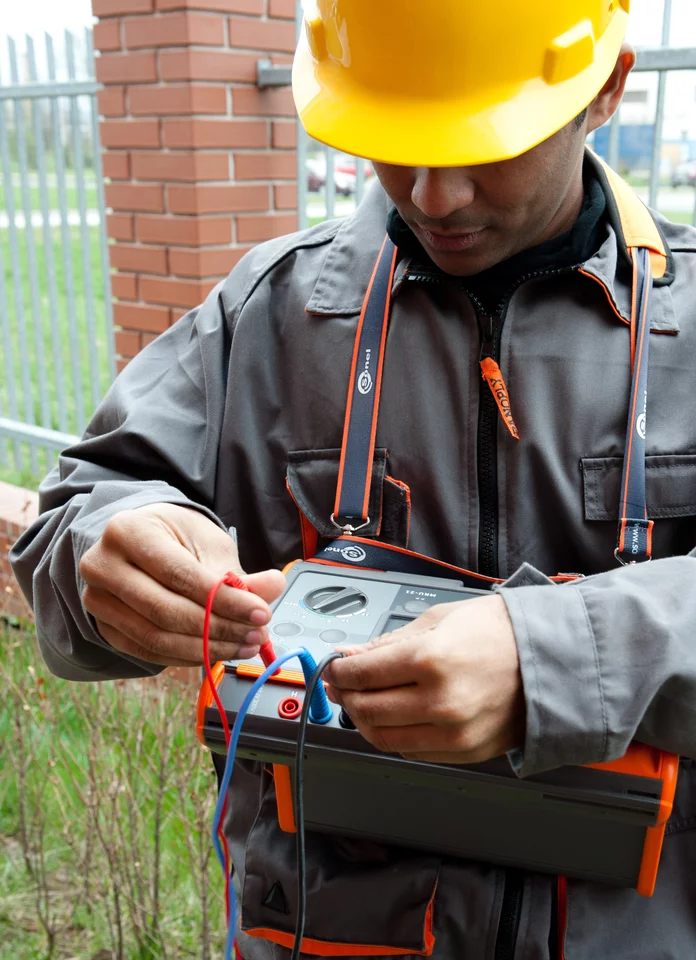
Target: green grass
x=105 y=803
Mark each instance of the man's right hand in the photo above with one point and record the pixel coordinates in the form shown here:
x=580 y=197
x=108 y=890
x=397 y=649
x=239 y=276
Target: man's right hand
x=148 y=578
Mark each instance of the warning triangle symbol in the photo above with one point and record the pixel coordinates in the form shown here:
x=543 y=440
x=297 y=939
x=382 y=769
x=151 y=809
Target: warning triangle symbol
x=276 y=899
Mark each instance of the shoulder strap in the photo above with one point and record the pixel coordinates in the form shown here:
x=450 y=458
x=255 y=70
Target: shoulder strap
x=637 y=224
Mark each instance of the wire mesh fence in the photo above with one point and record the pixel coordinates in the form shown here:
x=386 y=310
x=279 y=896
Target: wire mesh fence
x=55 y=301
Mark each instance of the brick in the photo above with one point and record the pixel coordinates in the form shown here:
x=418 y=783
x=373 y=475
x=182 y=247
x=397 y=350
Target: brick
x=254 y=7
x=173 y=293
x=215 y=133
x=282 y=8
x=138 y=259
x=213 y=199
x=130 y=133
x=224 y=65
x=284 y=135
x=251 y=102
x=139 y=317
x=265 y=166
x=124 y=286
x=255 y=229
x=204 y=263
x=178 y=313
x=121 y=365
x=174 y=30
x=112 y=102
x=114 y=8
x=262 y=34
x=136 y=196
x=184 y=231
x=190 y=167
x=176 y=99
x=116 y=166
x=127 y=67
x=120 y=226
x=127 y=343
x=285 y=196
x=106 y=35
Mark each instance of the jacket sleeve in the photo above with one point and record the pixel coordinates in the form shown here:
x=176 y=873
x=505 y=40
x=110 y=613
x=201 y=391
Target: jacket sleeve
x=605 y=661
x=154 y=439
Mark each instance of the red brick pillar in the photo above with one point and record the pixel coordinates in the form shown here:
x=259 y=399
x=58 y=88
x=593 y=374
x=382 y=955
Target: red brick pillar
x=200 y=163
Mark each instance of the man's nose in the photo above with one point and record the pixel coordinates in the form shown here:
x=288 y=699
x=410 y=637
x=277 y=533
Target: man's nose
x=439 y=192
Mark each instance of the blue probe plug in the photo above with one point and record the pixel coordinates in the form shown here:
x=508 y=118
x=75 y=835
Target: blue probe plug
x=320 y=710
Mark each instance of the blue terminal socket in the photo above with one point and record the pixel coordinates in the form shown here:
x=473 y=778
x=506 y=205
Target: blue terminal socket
x=320 y=710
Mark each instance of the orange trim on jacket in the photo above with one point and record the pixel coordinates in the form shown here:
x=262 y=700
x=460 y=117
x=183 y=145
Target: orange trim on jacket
x=325 y=948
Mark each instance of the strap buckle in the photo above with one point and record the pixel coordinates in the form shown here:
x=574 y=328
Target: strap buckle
x=348 y=529
x=629 y=563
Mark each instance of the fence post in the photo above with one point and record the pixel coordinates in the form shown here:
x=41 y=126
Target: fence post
x=200 y=163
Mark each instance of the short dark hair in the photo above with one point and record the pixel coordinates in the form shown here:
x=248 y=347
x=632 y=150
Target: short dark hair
x=580 y=119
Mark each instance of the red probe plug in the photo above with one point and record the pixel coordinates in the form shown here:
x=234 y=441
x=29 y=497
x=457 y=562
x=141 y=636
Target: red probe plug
x=267 y=653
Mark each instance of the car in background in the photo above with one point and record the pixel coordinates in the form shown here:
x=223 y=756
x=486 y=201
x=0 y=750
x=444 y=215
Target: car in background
x=684 y=175
x=345 y=174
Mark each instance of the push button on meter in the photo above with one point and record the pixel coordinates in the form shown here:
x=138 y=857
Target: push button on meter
x=417 y=606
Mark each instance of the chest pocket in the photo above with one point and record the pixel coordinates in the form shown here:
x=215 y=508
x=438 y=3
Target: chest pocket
x=312 y=479
x=671 y=497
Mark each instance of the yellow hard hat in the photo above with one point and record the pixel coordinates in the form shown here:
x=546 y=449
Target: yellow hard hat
x=440 y=83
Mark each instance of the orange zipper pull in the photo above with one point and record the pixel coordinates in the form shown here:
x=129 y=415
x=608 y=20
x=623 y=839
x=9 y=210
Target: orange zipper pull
x=494 y=379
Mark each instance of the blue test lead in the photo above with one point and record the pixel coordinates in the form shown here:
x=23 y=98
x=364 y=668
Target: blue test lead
x=320 y=710
x=225 y=783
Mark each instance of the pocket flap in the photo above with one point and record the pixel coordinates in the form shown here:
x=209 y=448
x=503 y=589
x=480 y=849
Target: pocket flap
x=363 y=899
x=670 y=486
x=313 y=479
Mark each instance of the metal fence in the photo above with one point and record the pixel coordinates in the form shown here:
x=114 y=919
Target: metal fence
x=57 y=353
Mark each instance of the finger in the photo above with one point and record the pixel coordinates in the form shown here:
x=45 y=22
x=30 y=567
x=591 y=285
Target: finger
x=162 y=645
x=166 y=609
x=176 y=568
x=421 y=739
x=123 y=644
x=378 y=668
x=473 y=756
x=400 y=707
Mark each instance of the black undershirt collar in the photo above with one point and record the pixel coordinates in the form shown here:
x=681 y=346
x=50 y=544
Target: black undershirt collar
x=493 y=286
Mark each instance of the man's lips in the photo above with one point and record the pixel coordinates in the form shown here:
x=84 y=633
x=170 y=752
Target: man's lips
x=452 y=242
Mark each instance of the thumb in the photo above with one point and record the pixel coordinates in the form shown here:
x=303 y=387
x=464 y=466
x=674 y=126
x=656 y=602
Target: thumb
x=269 y=584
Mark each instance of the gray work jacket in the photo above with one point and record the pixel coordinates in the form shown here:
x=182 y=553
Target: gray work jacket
x=248 y=392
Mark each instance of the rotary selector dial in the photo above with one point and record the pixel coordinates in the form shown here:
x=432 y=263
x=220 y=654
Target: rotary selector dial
x=336 y=601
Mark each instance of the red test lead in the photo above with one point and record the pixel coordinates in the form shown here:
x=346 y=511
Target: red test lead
x=267 y=653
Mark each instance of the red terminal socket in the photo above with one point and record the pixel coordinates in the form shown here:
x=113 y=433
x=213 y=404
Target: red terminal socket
x=290 y=708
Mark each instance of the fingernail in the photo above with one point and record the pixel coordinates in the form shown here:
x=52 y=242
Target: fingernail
x=247 y=653
x=259 y=617
x=255 y=638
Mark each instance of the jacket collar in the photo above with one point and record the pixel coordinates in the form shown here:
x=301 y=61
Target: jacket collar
x=342 y=283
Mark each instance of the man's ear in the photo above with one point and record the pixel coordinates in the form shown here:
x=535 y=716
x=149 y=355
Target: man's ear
x=607 y=101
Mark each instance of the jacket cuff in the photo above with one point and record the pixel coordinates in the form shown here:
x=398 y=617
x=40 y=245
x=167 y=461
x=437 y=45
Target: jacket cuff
x=566 y=716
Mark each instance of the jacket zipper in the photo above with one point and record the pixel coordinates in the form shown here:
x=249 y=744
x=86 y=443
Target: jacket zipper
x=491 y=332
x=510 y=914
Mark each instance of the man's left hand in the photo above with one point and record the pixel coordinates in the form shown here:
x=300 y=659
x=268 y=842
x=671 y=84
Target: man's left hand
x=446 y=688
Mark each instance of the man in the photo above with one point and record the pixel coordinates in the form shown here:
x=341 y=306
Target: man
x=511 y=249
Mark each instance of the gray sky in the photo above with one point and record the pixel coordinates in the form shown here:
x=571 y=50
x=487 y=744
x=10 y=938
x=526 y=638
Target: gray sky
x=54 y=15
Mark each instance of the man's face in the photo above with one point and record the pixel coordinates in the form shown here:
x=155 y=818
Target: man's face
x=470 y=218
